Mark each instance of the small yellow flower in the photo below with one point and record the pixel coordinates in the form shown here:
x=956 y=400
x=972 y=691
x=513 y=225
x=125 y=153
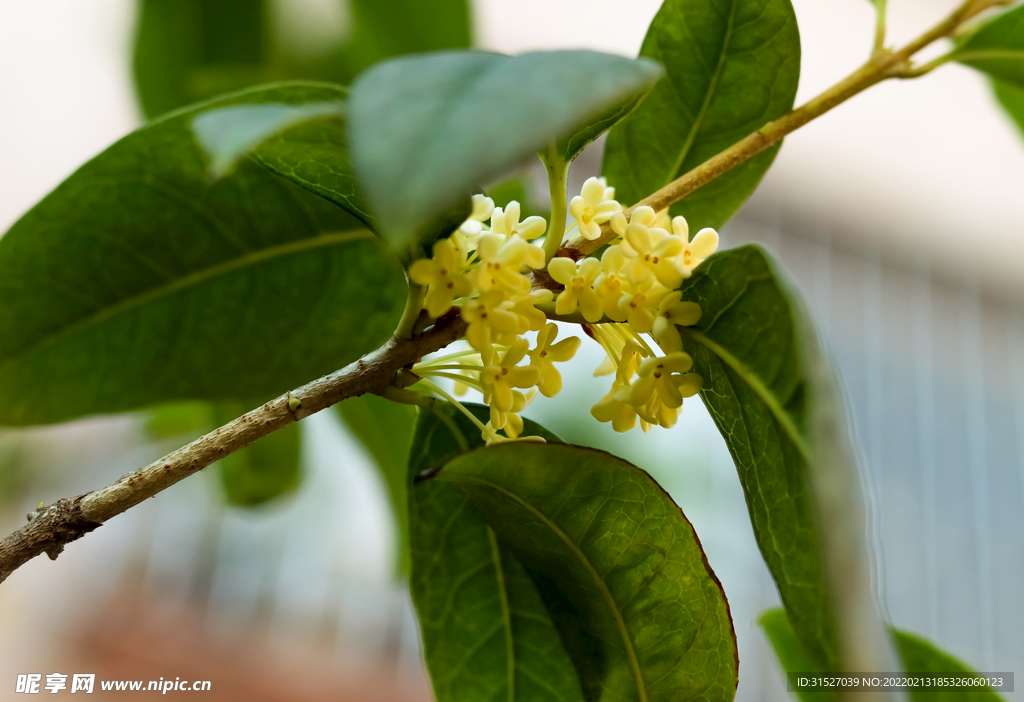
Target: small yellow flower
x=640 y=306
x=693 y=252
x=547 y=354
x=657 y=412
x=501 y=263
x=510 y=421
x=499 y=378
x=525 y=309
x=641 y=215
x=611 y=409
x=612 y=283
x=489 y=323
x=579 y=287
x=444 y=276
x=483 y=208
x=672 y=312
x=506 y=223
x=652 y=251
x=594 y=206
x=661 y=377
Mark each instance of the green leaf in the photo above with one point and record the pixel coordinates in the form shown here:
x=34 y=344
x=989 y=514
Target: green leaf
x=381 y=30
x=1012 y=99
x=790 y=654
x=749 y=349
x=138 y=282
x=486 y=632
x=263 y=471
x=385 y=429
x=228 y=134
x=618 y=565
x=425 y=130
x=731 y=67
x=918 y=656
x=997 y=47
x=921 y=656
x=190 y=50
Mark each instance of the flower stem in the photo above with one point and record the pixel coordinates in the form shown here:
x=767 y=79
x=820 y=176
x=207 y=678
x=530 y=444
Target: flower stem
x=558 y=171
x=411 y=314
x=879 y=27
x=437 y=388
x=408 y=397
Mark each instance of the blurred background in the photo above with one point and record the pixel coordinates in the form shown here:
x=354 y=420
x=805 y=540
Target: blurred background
x=899 y=215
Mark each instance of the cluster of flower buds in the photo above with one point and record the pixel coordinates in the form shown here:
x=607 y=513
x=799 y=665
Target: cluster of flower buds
x=629 y=291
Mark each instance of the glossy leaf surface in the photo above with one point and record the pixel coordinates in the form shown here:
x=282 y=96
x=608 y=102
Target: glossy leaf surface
x=748 y=349
x=137 y=282
x=618 y=565
x=424 y=131
x=486 y=632
x=731 y=67
x=917 y=655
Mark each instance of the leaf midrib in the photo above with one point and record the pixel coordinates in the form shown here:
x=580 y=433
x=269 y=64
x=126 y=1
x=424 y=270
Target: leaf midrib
x=708 y=97
x=755 y=383
x=620 y=622
x=970 y=55
x=506 y=614
x=184 y=282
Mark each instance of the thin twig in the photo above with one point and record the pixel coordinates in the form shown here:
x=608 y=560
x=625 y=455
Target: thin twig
x=882 y=65
x=51 y=528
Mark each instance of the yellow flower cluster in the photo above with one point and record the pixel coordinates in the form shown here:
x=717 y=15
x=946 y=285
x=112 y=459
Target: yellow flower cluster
x=630 y=291
x=482 y=270
x=646 y=386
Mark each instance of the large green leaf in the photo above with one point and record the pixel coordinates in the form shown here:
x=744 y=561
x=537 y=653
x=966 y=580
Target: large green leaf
x=748 y=347
x=263 y=471
x=385 y=429
x=190 y=50
x=486 y=632
x=619 y=567
x=1011 y=98
x=731 y=66
x=918 y=656
x=424 y=131
x=137 y=281
x=997 y=47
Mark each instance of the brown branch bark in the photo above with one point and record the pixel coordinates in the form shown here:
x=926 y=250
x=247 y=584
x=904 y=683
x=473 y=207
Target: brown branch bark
x=67 y=520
